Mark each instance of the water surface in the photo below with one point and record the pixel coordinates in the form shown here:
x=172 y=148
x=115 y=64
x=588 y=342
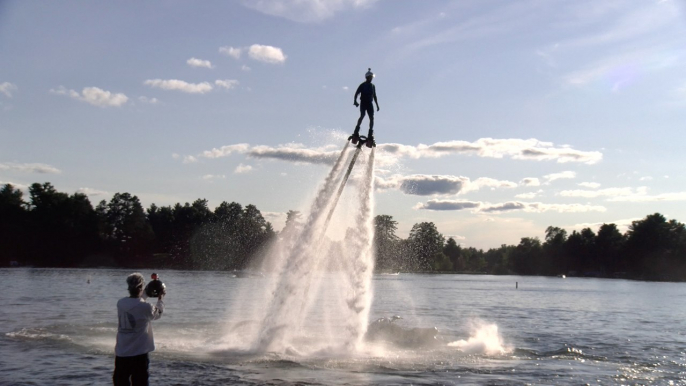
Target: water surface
x=56 y=329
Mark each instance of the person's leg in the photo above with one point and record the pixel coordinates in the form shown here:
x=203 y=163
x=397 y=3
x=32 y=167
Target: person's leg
x=370 y=111
x=359 y=121
x=140 y=374
x=122 y=371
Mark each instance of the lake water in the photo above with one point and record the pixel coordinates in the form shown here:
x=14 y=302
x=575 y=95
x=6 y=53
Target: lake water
x=56 y=329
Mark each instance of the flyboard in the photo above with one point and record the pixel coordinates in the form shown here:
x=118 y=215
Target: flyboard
x=360 y=141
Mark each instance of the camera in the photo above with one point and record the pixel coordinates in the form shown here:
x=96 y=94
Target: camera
x=155 y=288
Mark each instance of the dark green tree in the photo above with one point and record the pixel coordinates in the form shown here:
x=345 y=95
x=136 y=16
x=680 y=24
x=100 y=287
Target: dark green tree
x=555 y=256
x=526 y=256
x=453 y=251
x=609 y=247
x=386 y=243
x=13 y=225
x=127 y=232
x=426 y=244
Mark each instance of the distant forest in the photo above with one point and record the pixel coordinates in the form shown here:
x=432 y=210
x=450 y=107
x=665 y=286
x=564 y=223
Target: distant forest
x=55 y=229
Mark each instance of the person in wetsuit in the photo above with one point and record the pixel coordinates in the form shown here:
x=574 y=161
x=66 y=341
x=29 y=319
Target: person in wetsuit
x=367 y=93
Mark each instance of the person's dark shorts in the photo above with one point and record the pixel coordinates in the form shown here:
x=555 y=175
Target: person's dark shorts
x=368 y=108
x=133 y=368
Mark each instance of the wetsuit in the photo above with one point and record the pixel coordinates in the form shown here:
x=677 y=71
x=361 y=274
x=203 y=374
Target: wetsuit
x=367 y=92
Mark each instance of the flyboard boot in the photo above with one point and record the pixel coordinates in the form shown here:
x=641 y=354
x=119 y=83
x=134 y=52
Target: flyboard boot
x=370 y=140
x=355 y=138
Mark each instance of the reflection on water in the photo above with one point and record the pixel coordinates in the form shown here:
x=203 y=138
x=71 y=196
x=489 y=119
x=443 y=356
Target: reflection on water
x=56 y=328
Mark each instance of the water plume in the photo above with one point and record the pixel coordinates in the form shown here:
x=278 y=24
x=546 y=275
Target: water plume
x=317 y=292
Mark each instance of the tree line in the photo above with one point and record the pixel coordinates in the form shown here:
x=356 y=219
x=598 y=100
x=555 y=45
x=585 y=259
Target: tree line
x=55 y=229
x=653 y=248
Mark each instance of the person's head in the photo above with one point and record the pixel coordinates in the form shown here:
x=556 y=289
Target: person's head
x=136 y=284
x=369 y=75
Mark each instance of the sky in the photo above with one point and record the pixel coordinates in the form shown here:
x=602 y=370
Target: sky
x=497 y=118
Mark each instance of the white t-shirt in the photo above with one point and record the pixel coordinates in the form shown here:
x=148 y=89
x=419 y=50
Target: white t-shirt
x=134 y=336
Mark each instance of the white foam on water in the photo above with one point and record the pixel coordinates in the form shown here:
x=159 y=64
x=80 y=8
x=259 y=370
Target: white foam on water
x=484 y=339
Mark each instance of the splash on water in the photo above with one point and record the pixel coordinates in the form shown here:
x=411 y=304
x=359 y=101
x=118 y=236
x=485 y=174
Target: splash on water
x=484 y=339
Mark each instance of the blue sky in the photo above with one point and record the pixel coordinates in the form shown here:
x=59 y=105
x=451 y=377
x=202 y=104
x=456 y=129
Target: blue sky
x=497 y=118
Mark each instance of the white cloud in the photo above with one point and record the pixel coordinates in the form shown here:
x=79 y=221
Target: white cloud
x=483 y=207
x=529 y=196
x=427 y=185
x=226 y=83
x=187 y=159
x=231 y=51
x=245 y=68
x=94 y=96
x=152 y=101
x=305 y=10
x=590 y=185
x=298 y=155
x=530 y=181
x=175 y=84
x=209 y=177
x=267 y=54
x=30 y=168
x=16 y=186
x=391 y=153
x=559 y=176
x=448 y=205
x=92 y=192
x=529 y=149
x=242 y=169
x=7 y=88
x=225 y=151
x=646 y=178
x=195 y=62
x=679 y=196
x=609 y=192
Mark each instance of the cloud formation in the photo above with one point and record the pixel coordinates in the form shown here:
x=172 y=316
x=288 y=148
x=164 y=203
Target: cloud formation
x=152 y=101
x=30 y=168
x=92 y=192
x=231 y=51
x=428 y=185
x=209 y=177
x=305 y=10
x=559 y=176
x=530 y=181
x=7 y=88
x=94 y=96
x=266 y=54
x=180 y=85
x=509 y=206
x=520 y=149
x=609 y=192
x=391 y=153
x=199 y=63
x=242 y=169
x=226 y=83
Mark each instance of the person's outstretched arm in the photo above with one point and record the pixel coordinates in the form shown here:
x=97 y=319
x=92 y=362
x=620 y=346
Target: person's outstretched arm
x=359 y=90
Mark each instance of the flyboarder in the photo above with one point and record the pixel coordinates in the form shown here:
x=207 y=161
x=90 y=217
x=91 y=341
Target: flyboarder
x=367 y=92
